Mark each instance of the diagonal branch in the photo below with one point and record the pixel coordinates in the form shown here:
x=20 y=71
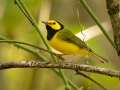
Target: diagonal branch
x=91 y=79
x=27 y=14
x=97 y=21
x=30 y=45
x=62 y=65
x=113 y=7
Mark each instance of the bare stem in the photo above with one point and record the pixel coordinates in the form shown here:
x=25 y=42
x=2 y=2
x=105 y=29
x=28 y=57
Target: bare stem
x=97 y=21
x=30 y=45
x=24 y=10
x=70 y=66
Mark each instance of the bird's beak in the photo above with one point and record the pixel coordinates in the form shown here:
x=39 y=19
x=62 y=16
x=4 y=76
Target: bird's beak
x=44 y=22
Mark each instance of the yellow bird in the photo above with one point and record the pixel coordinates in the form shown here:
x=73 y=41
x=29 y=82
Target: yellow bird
x=66 y=42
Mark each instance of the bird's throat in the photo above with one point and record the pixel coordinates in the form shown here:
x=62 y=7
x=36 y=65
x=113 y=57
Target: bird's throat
x=50 y=33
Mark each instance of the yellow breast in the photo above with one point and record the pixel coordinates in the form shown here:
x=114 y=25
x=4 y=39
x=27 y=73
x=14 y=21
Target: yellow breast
x=67 y=47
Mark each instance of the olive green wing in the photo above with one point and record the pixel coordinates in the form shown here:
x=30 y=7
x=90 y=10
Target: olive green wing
x=70 y=37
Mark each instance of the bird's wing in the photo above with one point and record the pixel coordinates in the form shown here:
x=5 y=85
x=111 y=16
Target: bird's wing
x=70 y=37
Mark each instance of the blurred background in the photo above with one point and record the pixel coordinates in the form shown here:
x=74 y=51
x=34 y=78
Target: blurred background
x=15 y=26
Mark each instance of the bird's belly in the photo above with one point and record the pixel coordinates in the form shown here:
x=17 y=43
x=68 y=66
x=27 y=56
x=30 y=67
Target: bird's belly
x=67 y=47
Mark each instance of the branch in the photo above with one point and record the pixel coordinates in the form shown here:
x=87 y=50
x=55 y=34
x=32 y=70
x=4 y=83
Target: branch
x=91 y=79
x=16 y=43
x=113 y=7
x=27 y=14
x=61 y=65
x=97 y=21
x=30 y=45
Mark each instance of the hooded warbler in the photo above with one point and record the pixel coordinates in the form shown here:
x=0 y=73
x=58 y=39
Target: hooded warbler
x=66 y=42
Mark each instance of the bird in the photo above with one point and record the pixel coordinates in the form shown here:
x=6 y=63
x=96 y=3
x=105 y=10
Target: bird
x=66 y=42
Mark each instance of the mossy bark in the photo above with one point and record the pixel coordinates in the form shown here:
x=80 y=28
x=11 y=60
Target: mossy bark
x=113 y=7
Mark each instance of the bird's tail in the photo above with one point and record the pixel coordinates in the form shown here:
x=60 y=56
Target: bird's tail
x=100 y=58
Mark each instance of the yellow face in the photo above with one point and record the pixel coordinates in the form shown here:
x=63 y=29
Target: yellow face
x=54 y=24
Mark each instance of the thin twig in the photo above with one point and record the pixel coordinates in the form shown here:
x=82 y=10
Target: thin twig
x=27 y=14
x=3 y=39
x=97 y=21
x=75 y=67
x=31 y=45
x=91 y=79
x=24 y=10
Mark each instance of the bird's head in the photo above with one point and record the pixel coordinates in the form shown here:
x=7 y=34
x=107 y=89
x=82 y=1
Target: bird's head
x=53 y=25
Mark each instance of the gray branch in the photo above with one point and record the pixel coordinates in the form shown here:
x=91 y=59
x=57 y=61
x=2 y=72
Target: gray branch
x=113 y=7
x=75 y=67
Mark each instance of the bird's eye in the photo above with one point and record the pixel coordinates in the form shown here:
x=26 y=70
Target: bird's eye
x=53 y=23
